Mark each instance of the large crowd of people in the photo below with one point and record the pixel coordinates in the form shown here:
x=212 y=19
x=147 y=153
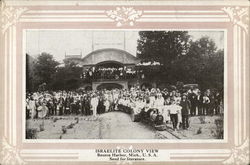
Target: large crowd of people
x=174 y=106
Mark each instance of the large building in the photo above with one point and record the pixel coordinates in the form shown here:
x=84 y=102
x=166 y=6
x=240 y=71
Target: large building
x=108 y=68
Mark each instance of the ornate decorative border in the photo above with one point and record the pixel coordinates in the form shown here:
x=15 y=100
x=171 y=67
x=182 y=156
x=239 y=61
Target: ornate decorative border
x=10 y=154
x=239 y=155
x=10 y=15
x=124 y=15
x=127 y=16
x=238 y=16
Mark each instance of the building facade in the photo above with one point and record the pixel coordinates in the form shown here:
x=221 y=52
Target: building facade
x=108 y=68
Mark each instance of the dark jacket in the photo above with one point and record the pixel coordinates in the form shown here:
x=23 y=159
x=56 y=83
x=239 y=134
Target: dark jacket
x=185 y=107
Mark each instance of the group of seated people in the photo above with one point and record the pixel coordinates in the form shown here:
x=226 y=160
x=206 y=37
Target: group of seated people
x=174 y=107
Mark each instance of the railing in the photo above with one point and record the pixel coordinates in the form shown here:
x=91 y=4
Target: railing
x=97 y=76
x=121 y=79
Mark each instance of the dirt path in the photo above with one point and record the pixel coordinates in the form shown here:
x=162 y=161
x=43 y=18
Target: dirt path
x=112 y=125
x=118 y=125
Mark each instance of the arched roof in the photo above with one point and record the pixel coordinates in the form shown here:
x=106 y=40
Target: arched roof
x=109 y=54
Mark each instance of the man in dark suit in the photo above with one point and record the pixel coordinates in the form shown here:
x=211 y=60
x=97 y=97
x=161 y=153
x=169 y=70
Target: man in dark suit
x=185 y=104
x=199 y=99
x=192 y=98
x=82 y=100
x=61 y=105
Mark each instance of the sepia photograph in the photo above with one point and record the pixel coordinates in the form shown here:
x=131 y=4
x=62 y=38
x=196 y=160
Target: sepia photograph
x=124 y=84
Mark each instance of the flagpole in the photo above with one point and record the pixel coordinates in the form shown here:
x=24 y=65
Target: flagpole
x=124 y=38
x=92 y=34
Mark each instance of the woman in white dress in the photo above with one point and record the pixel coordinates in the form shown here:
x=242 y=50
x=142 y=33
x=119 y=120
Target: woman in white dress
x=94 y=103
x=32 y=106
x=107 y=105
x=166 y=113
x=151 y=100
x=159 y=103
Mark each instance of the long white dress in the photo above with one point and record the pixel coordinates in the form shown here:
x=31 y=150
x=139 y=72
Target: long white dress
x=165 y=113
x=151 y=101
x=94 y=103
x=139 y=105
x=159 y=103
x=32 y=106
x=107 y=105
x=116 y=96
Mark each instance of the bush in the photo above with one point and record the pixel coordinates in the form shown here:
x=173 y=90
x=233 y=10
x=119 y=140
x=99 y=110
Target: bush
x=202 y=119
x=31 y=133
x=70 y=126
x=55 y=119
x=41 y=127
x=64 y=130
x=219 y=132
x=199 y=131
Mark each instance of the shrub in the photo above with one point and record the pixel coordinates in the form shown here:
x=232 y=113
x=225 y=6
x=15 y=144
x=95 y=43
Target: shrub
x=199 y=131
x=64 y=130
x=41 y=127
x=219 y=132
x=55 y=119
x=31 y=133
x=202 y=119
x=70 y=126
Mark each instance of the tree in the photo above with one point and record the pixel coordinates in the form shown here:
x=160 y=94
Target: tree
x=30 y=77
x=68 y=77
x=162 y=46
x=203 y=64
x=212 y=74
x=184 y=60
x=44 y=69
x=203 y=47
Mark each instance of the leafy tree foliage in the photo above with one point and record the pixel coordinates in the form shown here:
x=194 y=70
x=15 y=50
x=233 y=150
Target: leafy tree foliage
x=162 y=46
x=68 y=77
x=206 y=63
x=30 y=77
x=44 y=69
x=184 y=60
x=43 y=72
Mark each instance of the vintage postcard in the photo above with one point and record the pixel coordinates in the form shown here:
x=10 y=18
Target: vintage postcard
x=124 y=82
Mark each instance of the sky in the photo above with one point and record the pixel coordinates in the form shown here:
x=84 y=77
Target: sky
x=76 y=42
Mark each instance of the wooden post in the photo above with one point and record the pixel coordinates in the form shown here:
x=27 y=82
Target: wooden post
x=124 y=40
x=92 y=35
